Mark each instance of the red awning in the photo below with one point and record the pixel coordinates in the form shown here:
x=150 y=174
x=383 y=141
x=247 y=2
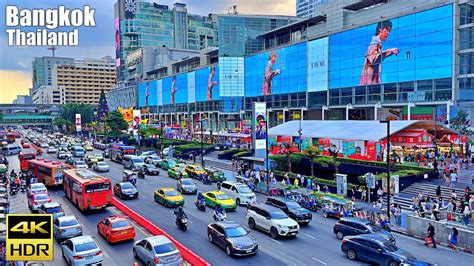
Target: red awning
x=405 y=144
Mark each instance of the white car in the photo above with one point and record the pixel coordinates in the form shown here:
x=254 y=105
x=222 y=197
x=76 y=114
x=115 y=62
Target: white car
x=271 y=220
x=81 y=250
x=240 y=192
x=145 y=154
x=101 y=167
x=81 y=165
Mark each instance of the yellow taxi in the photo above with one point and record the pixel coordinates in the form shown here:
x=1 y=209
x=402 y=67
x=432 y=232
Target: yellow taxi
x=169 y=197
x=215 y=197
x=195 y=170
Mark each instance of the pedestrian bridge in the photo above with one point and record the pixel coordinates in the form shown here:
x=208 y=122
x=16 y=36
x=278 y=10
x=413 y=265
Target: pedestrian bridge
x=26 y=120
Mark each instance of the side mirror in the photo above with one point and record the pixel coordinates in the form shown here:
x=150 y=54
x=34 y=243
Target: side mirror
x=268 y=217
x=380 y=251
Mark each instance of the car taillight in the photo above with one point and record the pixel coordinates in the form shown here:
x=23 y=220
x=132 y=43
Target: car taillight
x=98 y=253
x=77 y=257
x=336 y=226
x=61 y=230
x=344 y=241
x=156 y=260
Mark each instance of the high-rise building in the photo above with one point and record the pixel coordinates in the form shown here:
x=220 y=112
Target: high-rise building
x=142 y=24
x=84 y=80
x=49 y=95
x=42 y=67
x=307 y=8
x=22 y=99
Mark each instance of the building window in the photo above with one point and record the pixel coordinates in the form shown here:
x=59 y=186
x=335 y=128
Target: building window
x=466 y=89
x=466 y=14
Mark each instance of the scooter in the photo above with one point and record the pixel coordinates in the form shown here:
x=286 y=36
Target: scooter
x=182 y=223
x=23 y=186
x=13 y=191
x=219 y=217
x=205 y=180
x=133 y=180
x=200 y=205
x=141 y=174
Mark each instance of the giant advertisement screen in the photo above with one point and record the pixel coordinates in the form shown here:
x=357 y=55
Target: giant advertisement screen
x=318 y=65
x=175 y=89
x=118 y=48
x=412 y=47
x=147 y=94
x=231 y=76
x=276 y=72
x=207 y=84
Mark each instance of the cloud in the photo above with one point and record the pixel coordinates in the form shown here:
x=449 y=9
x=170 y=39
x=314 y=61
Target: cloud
x=13 y=83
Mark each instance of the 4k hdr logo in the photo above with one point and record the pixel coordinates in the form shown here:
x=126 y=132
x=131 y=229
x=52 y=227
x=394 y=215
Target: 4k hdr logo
x=29 y=237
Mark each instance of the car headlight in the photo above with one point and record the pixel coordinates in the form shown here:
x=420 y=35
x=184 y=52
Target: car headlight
x=282 y=226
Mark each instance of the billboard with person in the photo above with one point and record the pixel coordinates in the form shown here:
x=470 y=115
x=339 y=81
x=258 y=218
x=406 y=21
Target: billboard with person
x=148 y=94
x=260 y=125
x=207 y=84
x=175 y=89
x=136 y=121
x=78 y=123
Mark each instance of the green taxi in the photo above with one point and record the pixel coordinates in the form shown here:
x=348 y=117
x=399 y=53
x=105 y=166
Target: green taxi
x=167 y=164
x=175 y=171
x=169 y=197
x=215 y=197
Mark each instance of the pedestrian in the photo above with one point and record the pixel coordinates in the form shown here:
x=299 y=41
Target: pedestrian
x=353 y=194
x=218 y=185
x=453 y=239
x=379 y=193
x=363 y=194
x=438 y=192
x=430 y=236
x=467 y=213
x=454 y=179
x=436 y=210
x=309 y=183
x=453 y=195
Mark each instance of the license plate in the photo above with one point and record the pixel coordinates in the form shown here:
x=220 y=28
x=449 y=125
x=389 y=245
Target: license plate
x=248 y=251
x=88 y=257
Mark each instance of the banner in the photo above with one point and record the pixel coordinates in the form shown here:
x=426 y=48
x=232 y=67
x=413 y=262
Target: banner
x=260 y=125
x=78 y=123
x=136 y=121
x=341 y=182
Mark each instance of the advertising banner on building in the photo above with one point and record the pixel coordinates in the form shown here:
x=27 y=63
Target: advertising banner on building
x=159 y=87
x=318 y=64
x=136 y=121
x=175 y=89
x=78 y=123
x=147 y=94
x=191 y=87
x=118 y=47
x=260 y=126
x=384 y=114
x=207 y=84
x=394 y=184
x=231 y=76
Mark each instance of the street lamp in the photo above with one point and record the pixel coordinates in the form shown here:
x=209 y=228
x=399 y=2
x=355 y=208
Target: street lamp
x=388 y=164
x=348 y=107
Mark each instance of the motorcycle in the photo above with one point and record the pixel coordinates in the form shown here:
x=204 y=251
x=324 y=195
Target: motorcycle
x=205 y=180
x=200 y=205
x=141 y=174
x=23 y=186
x=181 y=222
x=133 y=180
x=13 y=191
x=219 y=216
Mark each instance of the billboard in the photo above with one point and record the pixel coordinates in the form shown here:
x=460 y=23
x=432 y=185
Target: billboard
x=159 y=87
x=260 y=125
x=147 y=94
x=207 y=84
x=231 y=76
x=175 y=89
x=318 y=64
x=407 y=48
x=78 y=123
x=118 y=47
x=192 y=87
x=232 y=104
x=136 y=121
x=276 y=72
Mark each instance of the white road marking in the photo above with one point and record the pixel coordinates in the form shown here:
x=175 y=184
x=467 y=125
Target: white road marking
x=310 y=236
x=278 y=242
x=320 y=261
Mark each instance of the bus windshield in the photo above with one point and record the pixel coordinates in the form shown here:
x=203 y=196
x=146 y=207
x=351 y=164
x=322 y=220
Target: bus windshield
x=97 y=187
x=28 y=156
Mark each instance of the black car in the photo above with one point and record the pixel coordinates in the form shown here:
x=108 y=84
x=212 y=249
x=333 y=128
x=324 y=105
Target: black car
x=292 y=208
x=150 y=169
x=375 y=250
x=3 y=160
x=233 y=238
x=125 y=190
x=356 y=226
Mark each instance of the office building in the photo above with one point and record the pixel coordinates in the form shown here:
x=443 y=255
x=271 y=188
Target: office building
x=307 y=8
x=22 y=99
x=49 y=95
x=42 y=69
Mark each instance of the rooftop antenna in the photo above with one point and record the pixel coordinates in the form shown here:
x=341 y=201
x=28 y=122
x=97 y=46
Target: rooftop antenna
x=53 y=48
x=232 y=10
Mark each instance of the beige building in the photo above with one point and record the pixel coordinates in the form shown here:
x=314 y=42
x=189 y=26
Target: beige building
x=84 y=80
x=49 y=95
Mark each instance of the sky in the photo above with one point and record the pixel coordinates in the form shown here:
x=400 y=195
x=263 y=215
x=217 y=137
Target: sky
x=97 y=42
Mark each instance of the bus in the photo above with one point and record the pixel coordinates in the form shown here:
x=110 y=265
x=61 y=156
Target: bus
x=87 y=190
x=24 y=158
x=11 y=135
x=118 y=150
x=47 y=172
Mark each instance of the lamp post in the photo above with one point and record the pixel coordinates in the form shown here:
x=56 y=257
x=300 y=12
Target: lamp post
x=388 y=165
x=323 y=108
x=267 y=167
x=202 y=143
x=161 y=137
x=348 y=107
x=435 y=163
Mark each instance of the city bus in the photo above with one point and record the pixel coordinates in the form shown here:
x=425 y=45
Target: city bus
x=24 y=157
x=11 y=135
x=47 y=172
x=118 y=150
x=87 y=190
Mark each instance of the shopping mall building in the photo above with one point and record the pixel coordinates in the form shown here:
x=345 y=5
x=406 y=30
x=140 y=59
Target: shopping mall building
x=390 y=59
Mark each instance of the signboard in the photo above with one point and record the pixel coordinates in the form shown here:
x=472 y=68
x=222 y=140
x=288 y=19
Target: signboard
x=78 y=123
x=341 y=183
x=231 y=76
x=136 y=121
x=260 y=127
x=394 y=184
x=370 y=180
x=318 y=64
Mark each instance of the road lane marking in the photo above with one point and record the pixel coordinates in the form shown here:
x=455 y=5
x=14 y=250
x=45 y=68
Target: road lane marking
x=310 y=236
x=320 y=261
x=278 y=242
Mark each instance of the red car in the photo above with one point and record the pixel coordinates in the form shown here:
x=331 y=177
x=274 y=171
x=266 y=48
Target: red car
x=26 y=145
x=115 y=229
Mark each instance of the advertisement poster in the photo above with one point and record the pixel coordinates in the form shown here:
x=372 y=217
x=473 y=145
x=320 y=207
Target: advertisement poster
x=260 y=127
x=348 y=148
x=371 y=150
x=136 y=121
x=175 y=89
x=78 y=123
x=231 y=76
x=117 y=42
x=192 y=87
x=394 y=184
x=207 y=84
x=341 y=183
x=147 y=94
x=318 y=64
x=384 y=114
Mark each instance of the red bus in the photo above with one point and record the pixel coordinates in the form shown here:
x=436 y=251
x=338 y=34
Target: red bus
x=24 y=158
x=87 y=190
x=118 y=150
x=47 y=172
x=11 y=135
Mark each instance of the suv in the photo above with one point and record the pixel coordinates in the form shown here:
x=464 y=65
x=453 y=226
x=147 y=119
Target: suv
x=132 y=162
x=292 y=209
x=241 y=193
x=355 y=226
x=272 y=220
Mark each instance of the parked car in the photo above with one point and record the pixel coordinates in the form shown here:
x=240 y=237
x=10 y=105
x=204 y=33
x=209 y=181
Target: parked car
x=212 y=198
x=239 y=192
x=53 y=208
x=169 y=197
x=125 y=190
x=186 y=186
x=355 y=226
x=271 y=220
x=157 y=250
x=233 y=238
x=116 y=228
x=81 y=250
x=101 y=167
x=36 y=200
x=66 y=227
x=375 y=250
x=292 y=209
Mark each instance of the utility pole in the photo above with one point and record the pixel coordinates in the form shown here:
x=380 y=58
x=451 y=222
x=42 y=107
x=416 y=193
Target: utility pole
x=388 y=166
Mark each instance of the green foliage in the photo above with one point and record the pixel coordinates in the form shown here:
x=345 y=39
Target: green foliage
x=149 y=132
x=311 y=151
x=115 y=121
x=231 y=151
x=242 y=153
x=61 y=122
x=192 y=146
x=461 y=123
x=71 y=109
x=323 y=181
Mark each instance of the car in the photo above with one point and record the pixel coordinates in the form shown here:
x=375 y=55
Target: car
x=375 y=250
x=115 y=229
x=166 y=151
x=4 y=160
x=167 y=164
x=150 y=169
x=212 y=198
x=233 y=238
x=169 y=197
x=291 y=208
x=215 y=175
x=101 y=167
x=125 y=190
x=62 y=154
x=186 y=186
x=132 y=162
x=99 y=157
x=81 y=250
x=240 y=192
x=91 y=159
x=195 y=171
x=65 y=227
x=52 y=150
x=271 y=220
x=81 y=165
x=36 y=200
x=3 y=168
x=53 y=208
x=144 y=155
x=176 y=172
x=36 y=188
x=88 y=147
x=153 y=159
x=44 y=145
x=157 y=250
x=26 y=145
x=355 y=226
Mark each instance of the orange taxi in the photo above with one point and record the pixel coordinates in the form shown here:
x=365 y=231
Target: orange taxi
x=115 y=229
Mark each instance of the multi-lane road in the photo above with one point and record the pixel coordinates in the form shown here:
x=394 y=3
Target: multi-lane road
x=315 y=244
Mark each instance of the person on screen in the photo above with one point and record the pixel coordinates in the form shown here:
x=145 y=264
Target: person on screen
x=147 y=94
x=211 y=84
x=78 y=121
x=173 y=90
x=372 y=69
x=260 y=128
x=136 y=122
x=269 y=75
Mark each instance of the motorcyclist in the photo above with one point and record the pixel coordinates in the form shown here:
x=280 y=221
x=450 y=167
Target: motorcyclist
x=133 y=180
x=180 y=214
x=219 y=210
x=141 y=173
x=200 y=199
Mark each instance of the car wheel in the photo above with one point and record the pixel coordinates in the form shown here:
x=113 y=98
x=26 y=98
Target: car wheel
x=165 y=203
x=148 y=264
x=351 y=254
x=228 y=251
x=107 y=239
x=393 y=263
x=339 y=235
x=237 y=201
x=251 y=223
x=274 y=233
x=134 y=253
x=209 y=237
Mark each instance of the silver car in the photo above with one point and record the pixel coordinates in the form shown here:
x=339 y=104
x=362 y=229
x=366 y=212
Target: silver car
x=101 y=167
x=186 y=186
x=53 y=208
x=66 y=227
x=81 y=250
x=157 y=250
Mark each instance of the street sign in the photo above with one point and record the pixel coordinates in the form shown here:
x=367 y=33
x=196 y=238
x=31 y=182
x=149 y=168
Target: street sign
x=370 y=180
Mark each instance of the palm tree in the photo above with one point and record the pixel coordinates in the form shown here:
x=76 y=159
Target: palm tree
x=311 y=152
x=287 y=152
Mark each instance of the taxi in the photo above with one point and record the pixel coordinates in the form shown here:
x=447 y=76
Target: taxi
x=116 y=228
x=91 y=159
x=215 y=197
x=169 y=197
x=167 y=164
x=88 y=147
x=195 y=170
x=99 y=157
x=175 y=171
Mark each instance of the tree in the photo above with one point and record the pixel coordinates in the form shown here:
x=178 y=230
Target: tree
x=148 y=132
x=334 y=151
x=286 y=150
x=461 y=123
x=71 y=109
x=61 y=122
x=115 y=121
x=311 y=152
x=102 y=108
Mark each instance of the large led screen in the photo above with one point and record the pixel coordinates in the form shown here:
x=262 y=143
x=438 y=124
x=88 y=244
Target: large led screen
x=412 y=47
x=207 y=84
x=231 y=76
x=276 y=72
x=175 y=89
x=318 y=65
x=147 y=94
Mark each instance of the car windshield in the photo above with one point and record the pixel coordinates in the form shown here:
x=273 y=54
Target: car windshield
x=69 y=222
x=198 y=169
x=120 y=224
x=278 y=215
x=80 y=163
x=101 y=164
x=97 y=187
x=97 y=155
x=41 y=197
x=154 y=157
x=165 y=248
x=390 y=247
x=151 y=166
x=137 y=160
x=292 y=205
x=374 y=228
x=244 y=189
x=235 y=232
x=37 y=186
x=171 y=193
x=188 y=182
x=86 y=246
x=222 y=197
x=127 y=186
x=54 y=209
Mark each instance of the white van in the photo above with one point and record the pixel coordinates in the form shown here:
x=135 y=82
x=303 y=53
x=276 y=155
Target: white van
x=11 y=149
x=239 y=192
x=77 y=151
x=132 y=162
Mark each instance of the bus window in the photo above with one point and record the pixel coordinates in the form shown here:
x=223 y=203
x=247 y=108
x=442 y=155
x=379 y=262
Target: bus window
x=97 y=187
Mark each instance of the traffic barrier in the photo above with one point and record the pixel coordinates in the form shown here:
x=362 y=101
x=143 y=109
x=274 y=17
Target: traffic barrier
x=187 y=254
